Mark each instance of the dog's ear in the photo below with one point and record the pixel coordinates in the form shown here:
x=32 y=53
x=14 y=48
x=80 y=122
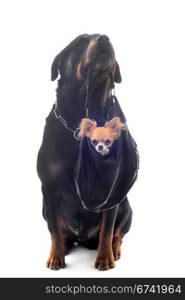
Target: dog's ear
x=117 y=74
x=58 y=60
x=56 y=65
x=86 y=127
x=115 y=125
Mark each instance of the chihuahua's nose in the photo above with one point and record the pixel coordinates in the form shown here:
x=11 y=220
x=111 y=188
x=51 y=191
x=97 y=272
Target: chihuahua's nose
x=100 y=147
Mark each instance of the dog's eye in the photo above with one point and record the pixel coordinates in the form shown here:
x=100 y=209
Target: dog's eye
x=94 y=142
x=107 y=142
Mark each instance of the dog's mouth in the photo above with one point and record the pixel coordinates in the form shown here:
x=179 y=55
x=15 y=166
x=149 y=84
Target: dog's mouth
x=103 y=62
x=101 y=66
x=102 y=150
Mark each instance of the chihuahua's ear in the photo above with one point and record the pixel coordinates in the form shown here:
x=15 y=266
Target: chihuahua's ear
x=86 y=127
x=115 y=125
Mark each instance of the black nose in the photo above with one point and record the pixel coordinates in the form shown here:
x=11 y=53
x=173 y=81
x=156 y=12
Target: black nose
x=100 y=147
x=103 y=38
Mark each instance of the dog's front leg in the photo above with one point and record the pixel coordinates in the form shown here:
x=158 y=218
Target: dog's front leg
x=105 y=257
x=56 y=258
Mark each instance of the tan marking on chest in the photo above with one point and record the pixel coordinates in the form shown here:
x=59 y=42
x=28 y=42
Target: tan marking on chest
x=94 y=231
x=66 y=226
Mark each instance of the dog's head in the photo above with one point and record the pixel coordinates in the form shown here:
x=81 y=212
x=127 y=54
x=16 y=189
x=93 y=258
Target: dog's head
x=101 y=138
x=87 y=53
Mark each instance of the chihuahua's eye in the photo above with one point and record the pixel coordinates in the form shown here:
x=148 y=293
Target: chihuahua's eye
x=94 y=142
x=107 y=142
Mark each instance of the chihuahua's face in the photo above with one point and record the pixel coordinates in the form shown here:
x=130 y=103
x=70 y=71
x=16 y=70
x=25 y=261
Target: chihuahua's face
x=101 y=138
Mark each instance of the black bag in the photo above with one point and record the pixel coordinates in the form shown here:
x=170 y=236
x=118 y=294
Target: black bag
x=102 y=182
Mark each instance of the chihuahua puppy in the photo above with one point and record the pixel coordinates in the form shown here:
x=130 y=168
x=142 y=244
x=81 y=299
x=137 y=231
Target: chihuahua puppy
x=101 y=138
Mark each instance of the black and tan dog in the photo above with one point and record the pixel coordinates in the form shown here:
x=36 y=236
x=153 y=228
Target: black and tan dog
x=68 y=221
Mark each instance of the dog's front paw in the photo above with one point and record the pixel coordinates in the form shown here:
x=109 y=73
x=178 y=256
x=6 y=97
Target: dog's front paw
x=55 y=262
x=104 y=262
x=116 y=247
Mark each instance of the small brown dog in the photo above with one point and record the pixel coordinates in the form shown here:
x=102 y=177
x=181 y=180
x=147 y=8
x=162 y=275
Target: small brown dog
x=101 y=138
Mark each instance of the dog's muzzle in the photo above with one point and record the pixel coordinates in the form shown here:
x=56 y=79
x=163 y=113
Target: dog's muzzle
x=104 y=61
x=102 y=149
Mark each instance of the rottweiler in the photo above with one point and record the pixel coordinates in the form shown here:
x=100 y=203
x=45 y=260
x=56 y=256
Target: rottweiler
x=87 y=62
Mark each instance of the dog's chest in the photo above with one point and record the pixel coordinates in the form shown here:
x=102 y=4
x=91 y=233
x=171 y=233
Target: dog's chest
x=81 y=223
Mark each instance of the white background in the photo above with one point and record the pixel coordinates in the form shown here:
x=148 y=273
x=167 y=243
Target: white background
x=149 y=41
